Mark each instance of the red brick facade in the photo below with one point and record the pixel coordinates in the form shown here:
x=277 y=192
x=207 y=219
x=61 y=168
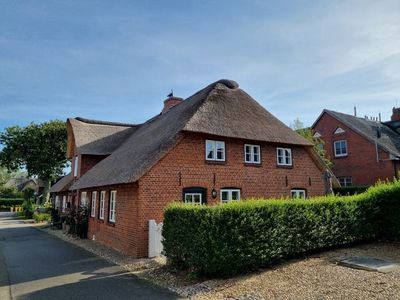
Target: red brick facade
x=185 y=166
x=361 y=161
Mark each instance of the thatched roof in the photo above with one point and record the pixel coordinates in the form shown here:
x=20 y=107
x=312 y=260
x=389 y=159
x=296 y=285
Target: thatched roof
x=62 y=185
x=96 y=137
x=221 y=109
x=378 y=132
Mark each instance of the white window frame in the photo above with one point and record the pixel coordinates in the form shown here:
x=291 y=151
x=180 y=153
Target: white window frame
x=93 y=204
x=298 y=192
x=102 y=204
x=229 y=191
x=192 y=195
x=57 y=202
x=252 y=154
x=345 y=179
x=64 y=203
x=284 y=156
x=84 y=199
x=340 y=154
x=113 y=204
x=76 y=164
x=214 y=145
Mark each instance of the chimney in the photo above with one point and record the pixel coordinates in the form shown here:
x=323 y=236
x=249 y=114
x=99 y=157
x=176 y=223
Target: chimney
x=396 y=114
x=171 y=102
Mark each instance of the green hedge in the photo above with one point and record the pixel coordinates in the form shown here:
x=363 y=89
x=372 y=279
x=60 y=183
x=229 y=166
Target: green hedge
x=350 y=190
x=231 y=238
x=7 y=202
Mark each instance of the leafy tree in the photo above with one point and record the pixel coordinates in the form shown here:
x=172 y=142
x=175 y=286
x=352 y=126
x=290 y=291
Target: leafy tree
x=307 y=133
x=6 y=175
x=38 y=148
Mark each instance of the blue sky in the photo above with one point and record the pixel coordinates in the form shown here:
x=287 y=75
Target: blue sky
x=117 y=60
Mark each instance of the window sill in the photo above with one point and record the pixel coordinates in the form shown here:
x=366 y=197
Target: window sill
x=112 y=224
x=284 y=166
x=100 y=220
x=341 y=156
x=249 y=164
x=215 y=162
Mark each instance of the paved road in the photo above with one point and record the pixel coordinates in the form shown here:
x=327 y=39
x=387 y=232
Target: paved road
x=35 y=265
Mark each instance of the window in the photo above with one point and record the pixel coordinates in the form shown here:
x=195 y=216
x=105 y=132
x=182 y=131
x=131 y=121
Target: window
x=83 y=199
x=252 y=154
x=338 y=130
x=193 y=198
x=317 y=135
x=113 y=200
x=64 y=203
x=284 y=156
x=340 y=148
x=101 y=205
x=228 y=195
x=345 y=181
x=76 y=163
x=57 y=202
x=298 y=194
x=93 y=206
x=215 y=150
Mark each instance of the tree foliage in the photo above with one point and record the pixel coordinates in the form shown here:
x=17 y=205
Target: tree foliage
x=39 y=148
x=319 y=144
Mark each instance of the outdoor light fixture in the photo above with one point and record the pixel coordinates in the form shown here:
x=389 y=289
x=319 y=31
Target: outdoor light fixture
x=214 y=193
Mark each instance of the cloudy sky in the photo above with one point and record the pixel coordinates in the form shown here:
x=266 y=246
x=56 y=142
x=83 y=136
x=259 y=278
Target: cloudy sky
x=117 y=60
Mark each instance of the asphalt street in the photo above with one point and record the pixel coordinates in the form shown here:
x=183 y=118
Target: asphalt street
x=36 y=265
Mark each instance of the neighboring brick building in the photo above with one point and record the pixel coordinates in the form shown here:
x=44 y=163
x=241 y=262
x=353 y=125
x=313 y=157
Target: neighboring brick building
x=363 y=151
x=216 y=146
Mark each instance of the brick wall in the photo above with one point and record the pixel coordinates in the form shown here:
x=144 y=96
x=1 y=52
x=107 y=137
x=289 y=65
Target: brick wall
x=360 y=163
x=185 y=166
x=120 y=235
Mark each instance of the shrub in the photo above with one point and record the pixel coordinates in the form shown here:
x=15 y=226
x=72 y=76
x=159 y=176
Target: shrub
x=41 y=217
x=236 y=237
x=10 y=193
x=349 y=190
x=7 y=202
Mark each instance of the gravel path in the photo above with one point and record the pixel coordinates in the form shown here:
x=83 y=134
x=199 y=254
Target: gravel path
x=314 y=277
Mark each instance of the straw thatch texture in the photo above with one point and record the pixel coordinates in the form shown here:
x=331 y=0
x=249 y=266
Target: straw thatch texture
x=219 y=109
x=62 y=185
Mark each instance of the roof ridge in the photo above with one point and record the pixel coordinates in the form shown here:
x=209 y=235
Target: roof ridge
x=100 y=122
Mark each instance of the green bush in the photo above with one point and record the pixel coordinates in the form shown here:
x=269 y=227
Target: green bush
x=236 y=237
x=10 y=193
x=349 y=190
x=40 y=217
x=7 y=202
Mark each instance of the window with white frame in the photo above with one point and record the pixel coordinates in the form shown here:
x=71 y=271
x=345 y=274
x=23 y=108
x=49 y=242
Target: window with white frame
x=340 y=148
x=298 y=194
x=215 y=150
x=76 y=163
x=64 y=203
x=345 y=181
x=93 y=204
x=193 y=198
x=228 y=195
x=284 y=156
x=101 y=204
x=83 y=199
x=252 y=154
x=113 y=202
x=57 y=202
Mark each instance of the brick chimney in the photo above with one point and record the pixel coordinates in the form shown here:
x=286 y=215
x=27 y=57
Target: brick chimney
x=171 y=102
x=396 y=114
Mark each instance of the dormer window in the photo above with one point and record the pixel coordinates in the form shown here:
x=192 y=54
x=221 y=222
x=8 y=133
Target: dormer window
x=339 y=130
x=215 y=150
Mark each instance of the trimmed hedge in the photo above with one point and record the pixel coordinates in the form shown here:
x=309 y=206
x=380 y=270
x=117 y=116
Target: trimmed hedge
x=7 y=202
x=349 y=190
x=236 y=237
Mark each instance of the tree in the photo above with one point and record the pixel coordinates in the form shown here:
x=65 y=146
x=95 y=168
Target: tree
x=6 y=175
x=307 y=133
x=38 y=148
